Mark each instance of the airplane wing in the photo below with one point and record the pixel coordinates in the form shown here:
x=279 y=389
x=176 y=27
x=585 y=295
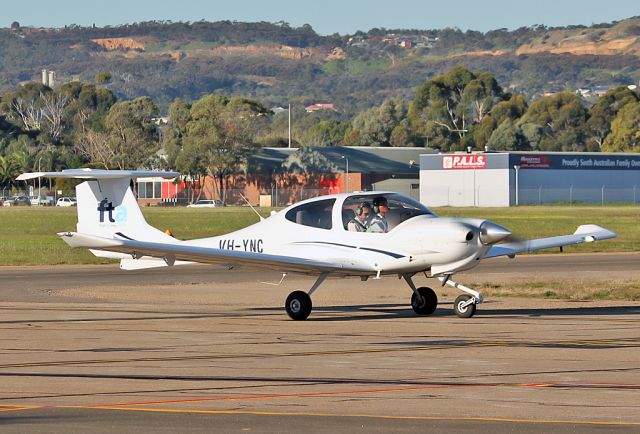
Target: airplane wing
x=183 y=252
x=584 y=234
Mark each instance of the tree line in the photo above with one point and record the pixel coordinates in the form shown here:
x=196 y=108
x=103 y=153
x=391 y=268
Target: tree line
x=85 y=124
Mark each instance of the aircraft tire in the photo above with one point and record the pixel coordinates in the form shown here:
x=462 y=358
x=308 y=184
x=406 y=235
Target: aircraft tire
x=428 y=302
x=298 y=305
x=464 y=312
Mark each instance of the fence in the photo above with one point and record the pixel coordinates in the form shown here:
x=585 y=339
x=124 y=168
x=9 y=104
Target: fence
x=536 y=195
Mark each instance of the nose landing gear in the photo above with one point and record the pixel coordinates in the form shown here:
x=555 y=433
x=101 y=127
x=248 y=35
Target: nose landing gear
x=465 y=305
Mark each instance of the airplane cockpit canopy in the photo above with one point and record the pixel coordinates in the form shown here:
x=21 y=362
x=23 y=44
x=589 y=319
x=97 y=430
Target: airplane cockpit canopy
x=319 y=213
x=401 y=208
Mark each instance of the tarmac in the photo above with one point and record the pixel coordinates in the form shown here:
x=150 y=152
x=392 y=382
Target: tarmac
x=202 y=349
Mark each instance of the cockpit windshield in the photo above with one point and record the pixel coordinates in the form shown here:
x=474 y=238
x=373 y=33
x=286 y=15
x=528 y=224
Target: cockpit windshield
x=380 y=213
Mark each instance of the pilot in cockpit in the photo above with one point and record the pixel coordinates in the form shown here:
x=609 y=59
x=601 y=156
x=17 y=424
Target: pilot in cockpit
x=378 y=223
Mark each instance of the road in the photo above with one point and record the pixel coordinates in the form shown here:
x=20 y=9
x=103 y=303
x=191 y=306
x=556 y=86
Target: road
x=199 y=349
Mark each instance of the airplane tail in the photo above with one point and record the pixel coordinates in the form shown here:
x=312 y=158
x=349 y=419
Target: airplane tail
x=107 y=206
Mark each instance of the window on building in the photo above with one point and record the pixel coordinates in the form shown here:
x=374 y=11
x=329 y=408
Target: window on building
x=149 y=190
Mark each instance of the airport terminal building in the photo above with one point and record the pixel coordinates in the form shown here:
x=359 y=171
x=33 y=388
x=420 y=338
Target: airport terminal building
x=519 y=178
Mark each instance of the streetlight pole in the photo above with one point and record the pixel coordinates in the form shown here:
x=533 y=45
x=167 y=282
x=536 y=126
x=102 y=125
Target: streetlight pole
x=289 y=125
x=346 y=173
x=517 y=169
x=39 y=178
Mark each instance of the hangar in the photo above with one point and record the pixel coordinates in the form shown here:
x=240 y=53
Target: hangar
x=519 y=178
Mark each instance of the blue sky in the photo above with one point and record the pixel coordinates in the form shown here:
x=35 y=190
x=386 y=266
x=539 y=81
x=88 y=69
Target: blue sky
x=326 y=16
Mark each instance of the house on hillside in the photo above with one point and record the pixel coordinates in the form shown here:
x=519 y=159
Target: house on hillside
x=315 y=107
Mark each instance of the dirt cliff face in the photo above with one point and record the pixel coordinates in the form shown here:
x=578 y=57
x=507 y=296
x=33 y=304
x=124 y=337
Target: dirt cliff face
x=577 y=47
x=269 y=50
x=119 y=44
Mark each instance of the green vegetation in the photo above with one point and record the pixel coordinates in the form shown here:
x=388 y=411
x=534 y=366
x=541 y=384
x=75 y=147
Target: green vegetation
x=27 y=235
x=565 y=289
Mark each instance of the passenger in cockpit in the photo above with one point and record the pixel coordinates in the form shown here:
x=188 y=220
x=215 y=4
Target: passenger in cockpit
x=359 y=222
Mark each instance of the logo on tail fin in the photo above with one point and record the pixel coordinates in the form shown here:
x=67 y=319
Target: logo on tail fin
x=107 y=206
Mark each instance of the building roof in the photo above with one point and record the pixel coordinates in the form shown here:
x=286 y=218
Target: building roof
x=361 y=159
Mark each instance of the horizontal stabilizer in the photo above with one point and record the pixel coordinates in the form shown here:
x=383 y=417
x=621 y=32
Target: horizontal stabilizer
x=584 y=234
x=98 y=174
x=144 y=263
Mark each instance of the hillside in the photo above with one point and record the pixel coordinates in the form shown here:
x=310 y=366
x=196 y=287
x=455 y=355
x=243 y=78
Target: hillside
x=279 y=64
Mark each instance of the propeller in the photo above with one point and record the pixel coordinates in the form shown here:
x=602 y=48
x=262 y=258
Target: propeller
x=491 y=233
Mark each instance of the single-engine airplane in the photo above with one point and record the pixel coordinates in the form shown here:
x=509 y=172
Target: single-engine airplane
x=309 y=237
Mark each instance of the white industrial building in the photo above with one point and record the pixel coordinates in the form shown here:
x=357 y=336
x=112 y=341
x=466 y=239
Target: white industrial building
x=519 y=178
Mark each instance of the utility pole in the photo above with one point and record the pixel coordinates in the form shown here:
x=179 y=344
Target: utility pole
x=289 y=124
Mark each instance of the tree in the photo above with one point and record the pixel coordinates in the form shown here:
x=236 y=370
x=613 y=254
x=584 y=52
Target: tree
x=308 y=161
x=560 y=119
x=374 y=127
x=445 y=107
x=324 y=133
x=507 y=137
x=9 y=170
x=479 y=134
x=103 y=77
x=220 y=135
x=53 y=106
x=173 y=133
x=625 y=130
x=602 y=114
x=132 y=136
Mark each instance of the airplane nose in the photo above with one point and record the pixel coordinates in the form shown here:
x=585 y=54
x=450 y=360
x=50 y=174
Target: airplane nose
x=491 y=233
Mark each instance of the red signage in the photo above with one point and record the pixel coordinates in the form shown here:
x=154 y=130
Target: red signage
x=464 y=161
x=535 y=162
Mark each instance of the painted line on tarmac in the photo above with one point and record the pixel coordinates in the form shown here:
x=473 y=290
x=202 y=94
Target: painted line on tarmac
x=18 y=407
x=367 y=416
x=297 y=395
x=564 y=385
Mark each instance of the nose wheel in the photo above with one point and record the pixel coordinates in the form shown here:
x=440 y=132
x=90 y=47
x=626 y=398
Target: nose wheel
x=464 y=306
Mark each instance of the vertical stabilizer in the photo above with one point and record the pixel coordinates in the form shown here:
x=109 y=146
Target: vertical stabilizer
x=107 y=208
x=106 y=205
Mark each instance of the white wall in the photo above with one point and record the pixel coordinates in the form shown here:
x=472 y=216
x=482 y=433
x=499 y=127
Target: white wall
x=465 y=187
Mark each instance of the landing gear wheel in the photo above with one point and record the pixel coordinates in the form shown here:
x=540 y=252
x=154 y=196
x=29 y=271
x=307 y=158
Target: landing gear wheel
x=427 y=302
x=298 y=305
x=461 y=310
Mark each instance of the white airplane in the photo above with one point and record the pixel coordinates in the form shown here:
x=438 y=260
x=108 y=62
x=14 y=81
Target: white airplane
x=309 y=237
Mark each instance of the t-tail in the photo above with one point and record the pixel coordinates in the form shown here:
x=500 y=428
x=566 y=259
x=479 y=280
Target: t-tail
x=107 y=207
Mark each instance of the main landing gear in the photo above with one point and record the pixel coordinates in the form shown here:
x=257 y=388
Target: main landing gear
x=424 y=300
x=298 y=304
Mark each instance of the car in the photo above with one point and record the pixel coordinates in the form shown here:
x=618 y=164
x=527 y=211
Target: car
x=41 y=200
x=206 y=203
x=17 y=201
x=66 y=201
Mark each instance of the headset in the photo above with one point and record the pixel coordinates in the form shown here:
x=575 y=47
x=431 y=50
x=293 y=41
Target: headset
x=361 y=207
x=380 y=200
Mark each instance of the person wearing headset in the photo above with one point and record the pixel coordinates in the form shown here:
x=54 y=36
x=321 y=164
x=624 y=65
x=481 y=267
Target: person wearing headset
x=359 y=222
x=378 y=223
